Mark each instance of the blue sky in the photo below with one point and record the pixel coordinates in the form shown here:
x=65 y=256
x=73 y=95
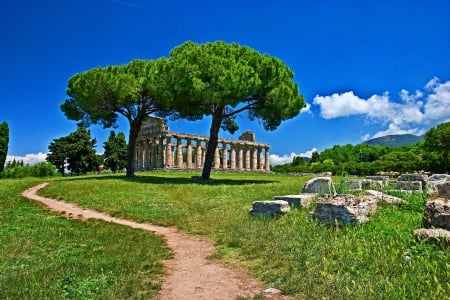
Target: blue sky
x=366 y=68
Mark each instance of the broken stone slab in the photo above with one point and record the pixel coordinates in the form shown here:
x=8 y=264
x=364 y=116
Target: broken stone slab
x=443 y=189
x=433 y=235
x=410 y=185
x=300 y=201
x=352 y=185
x=343 y=209
x=437 y=214
x=382 y=197
x=370 y=184
x=384 y=179
x=434 y=181
x=414 y=177
x=319 y=185
x=270 y=208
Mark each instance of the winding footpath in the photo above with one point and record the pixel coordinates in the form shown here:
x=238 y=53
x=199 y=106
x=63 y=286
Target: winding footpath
x=190 y=274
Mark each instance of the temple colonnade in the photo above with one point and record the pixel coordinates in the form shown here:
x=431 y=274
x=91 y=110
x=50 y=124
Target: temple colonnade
x=186 y=151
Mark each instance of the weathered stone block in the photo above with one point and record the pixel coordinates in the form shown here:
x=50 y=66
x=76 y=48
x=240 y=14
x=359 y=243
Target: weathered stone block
x=433 y=235
x=352 y=185
x=381 y=197
x=370 y=184
x=383 y=179
x=437 y=214
x=410 y=185
x=300 y=201
x=443 y=189
x=434 y=181
x=321 y=185
x=414 y=177
x=270 y=208
x=342 y=210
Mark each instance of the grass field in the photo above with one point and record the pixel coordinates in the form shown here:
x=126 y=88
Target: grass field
x=292 y=253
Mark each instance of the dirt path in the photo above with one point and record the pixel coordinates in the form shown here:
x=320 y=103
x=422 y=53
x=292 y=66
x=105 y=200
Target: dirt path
x=190 y=274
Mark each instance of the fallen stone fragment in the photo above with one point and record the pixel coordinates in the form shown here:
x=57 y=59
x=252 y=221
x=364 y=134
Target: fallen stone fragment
x=321 y=185
x=433 y=235
x=381 y=197
x=437 y=214
x=300 y=201
x=270 y=208
x=410 y=185
x=343 y=209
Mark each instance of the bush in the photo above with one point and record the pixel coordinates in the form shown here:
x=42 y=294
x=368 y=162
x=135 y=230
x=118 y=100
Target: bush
x=18 y=170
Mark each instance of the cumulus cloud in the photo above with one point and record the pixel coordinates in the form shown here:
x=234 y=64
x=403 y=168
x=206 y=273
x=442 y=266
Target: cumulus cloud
x=276 y=159
x=429 y=106
x=28 y=159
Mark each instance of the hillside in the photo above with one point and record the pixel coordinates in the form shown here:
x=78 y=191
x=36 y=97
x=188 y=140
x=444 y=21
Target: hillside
x=395 y=140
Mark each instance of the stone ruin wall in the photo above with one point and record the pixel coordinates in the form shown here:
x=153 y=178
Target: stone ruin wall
x=159 y=148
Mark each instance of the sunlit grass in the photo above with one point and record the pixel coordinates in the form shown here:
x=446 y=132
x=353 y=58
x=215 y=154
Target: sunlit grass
x=293 y=252
x=46 y=256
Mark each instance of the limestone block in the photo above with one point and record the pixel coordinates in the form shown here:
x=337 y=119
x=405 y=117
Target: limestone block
x=410 y=185
x=379 y=197
x=300 y=201
x=433 y=235
x=370 y=184
x=443 y=190
x=352 y=185
x=342 y=210
x=437 y=214
x=439 y=177
x=414 y=177
x=270 y=208
x=434 y=181
x=321 y=185
x=383 y=179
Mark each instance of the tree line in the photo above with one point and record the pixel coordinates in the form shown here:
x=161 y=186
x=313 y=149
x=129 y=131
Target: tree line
x=431 y=155
x=74 y=154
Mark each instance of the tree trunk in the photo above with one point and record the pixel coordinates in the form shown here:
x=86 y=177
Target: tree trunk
x=212 y=144
x=135 y=126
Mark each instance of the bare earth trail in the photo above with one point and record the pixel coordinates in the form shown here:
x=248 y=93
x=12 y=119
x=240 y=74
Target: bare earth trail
x=190 y=274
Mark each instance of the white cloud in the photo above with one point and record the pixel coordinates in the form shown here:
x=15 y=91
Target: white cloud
x=306 y=109
x=276 y=159
x=429 y=106
x=28 y=159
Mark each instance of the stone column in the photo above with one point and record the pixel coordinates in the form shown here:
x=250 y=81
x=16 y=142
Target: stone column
x=179 y=153
x=138 y=155
x=217 y=158
x=232 y=157
x=254 y=158
x=160 y=163
x=145 y=153
x=247 y=158
x=198 y=154
x=154 y=153
x=240 y=159
x=188 y=154
x=267 y=160
x=169 y=158
x=260 y=158
x=224 y=156
x=204 y=154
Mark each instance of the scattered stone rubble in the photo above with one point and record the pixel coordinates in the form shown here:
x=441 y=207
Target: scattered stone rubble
x=341 y=209
x=330 y=208
x=436 y=215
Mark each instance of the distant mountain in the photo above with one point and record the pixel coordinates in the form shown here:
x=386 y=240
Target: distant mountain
x=395 y=140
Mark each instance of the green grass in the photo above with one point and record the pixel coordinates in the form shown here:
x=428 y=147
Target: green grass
x=292 y=253
x=46 y=256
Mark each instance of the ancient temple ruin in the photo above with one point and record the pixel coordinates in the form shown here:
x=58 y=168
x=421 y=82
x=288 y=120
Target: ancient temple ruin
x=159 y=148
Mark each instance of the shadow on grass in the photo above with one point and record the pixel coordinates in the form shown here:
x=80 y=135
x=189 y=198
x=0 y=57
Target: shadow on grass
x=171 y=180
